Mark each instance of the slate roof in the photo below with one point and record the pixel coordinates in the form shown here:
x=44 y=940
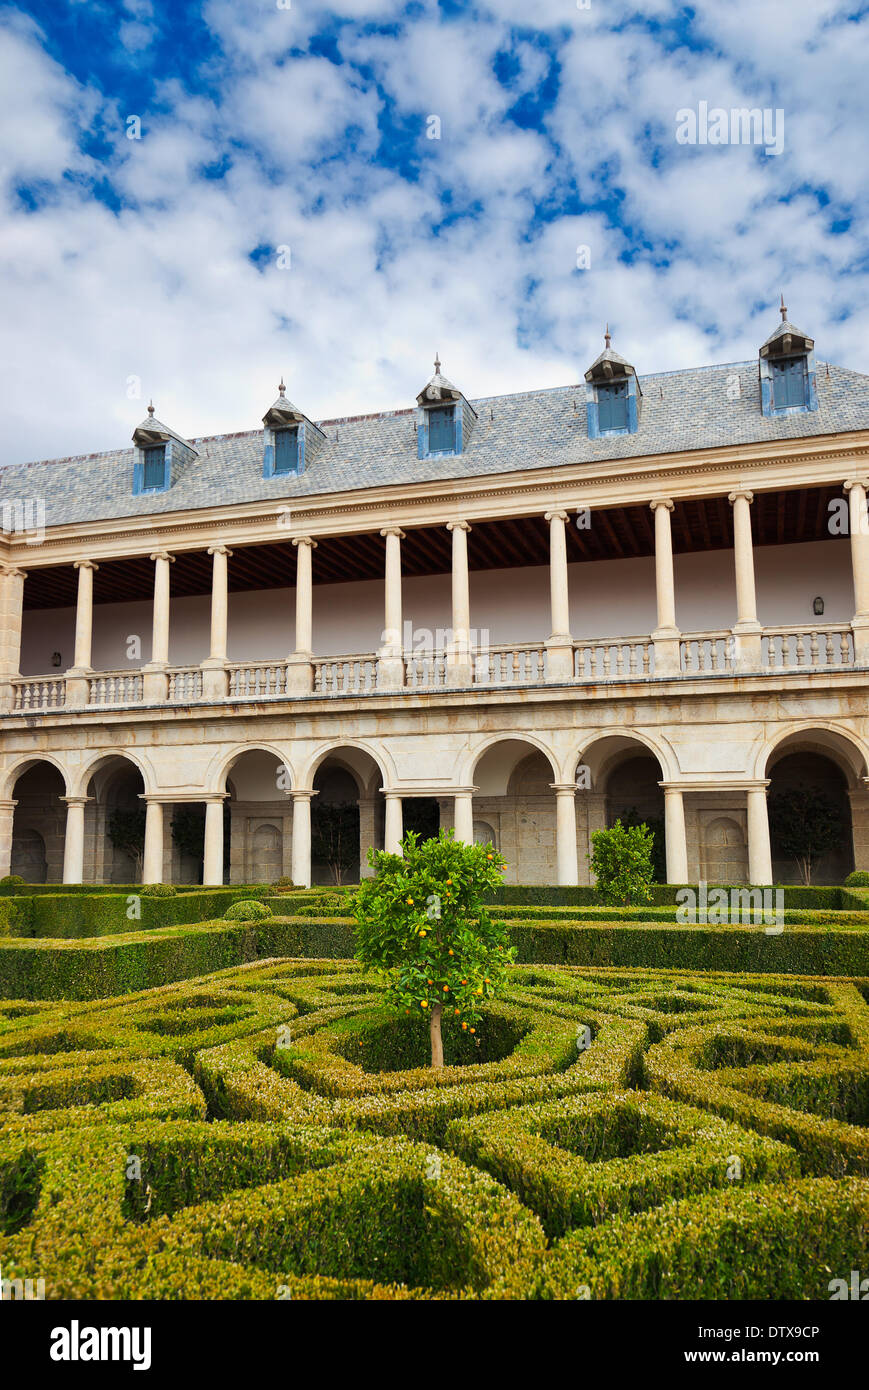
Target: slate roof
x=680 y=410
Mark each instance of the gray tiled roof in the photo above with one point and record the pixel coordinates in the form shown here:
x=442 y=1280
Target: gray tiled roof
x=679 y=411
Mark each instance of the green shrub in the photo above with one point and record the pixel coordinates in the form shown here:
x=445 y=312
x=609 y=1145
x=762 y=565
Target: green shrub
x=12 y=880
x=621 y=862
x=858 y=879
x=285 y=883
x=248 y=910
x=158 y=890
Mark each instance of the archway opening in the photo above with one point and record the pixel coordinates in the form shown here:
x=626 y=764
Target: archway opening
x=257 y=819
x=114 y=823
x=618 y=778
x=348 y=815
x=39 y=824
x=810 y=820
x=514 y=809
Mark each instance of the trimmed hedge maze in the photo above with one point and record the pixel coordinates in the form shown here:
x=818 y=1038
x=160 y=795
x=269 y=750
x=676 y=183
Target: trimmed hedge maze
x=269 y=1131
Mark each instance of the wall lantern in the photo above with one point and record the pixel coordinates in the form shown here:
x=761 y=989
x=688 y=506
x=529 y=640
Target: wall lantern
x=818 y=607
x=55 y=658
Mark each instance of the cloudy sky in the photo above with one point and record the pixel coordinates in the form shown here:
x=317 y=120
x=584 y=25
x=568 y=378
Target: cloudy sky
x=334 y=191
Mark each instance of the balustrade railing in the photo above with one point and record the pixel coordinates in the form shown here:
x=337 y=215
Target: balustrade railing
x=615 y=659
x=522 y=663
x=810 y=647
x=185 y=684
x=39 y=692
x=345 y=675
x=257 y=680
x=703 y=653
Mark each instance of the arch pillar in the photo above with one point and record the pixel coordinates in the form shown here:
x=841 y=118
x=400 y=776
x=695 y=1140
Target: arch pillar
x=7 y=816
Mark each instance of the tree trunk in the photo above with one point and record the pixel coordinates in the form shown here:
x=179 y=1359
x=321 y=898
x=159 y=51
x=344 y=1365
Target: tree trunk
x=437 y=1042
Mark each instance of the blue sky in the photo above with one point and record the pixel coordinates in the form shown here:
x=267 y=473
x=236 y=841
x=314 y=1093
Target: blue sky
x=287 y=211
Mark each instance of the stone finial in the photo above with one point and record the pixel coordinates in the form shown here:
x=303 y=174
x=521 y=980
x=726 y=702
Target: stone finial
x=437 y=364
x=782 y=309
x=282 y=388
x=151 y=408
x=607 y=337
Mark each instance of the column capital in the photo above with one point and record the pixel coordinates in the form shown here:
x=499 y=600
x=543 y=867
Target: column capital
x=219 y=550
x=657 y=502
x=856 y=482
x=162 y=555
x=76 y=800
x=84 y=565
x=556 y=515
x=392 y=531
x=740 y=492
x=305 y=540
x=6 y=804
x=12 y=572
x=469 y=791
x=392 y=793
x=302 y=793
x=458 y=526
x=564 y=788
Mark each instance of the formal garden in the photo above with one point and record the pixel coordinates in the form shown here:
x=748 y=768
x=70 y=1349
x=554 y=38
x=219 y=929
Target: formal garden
x=433 y=1086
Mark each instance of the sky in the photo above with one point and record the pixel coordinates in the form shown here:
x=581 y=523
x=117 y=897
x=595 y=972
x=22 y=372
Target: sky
x=198 y=197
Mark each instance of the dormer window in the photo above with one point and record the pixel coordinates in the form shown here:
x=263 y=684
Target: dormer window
x=154 y=469
x=442 y=430
x=612 y=408
x=287 y=450
x=788 y=383
x=444 y=419
x=290 y=439
x=612 y=394
x=787 y=370
x=160 y=456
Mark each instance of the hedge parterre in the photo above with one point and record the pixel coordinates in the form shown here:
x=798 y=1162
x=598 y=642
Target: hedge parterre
x=270 y=1131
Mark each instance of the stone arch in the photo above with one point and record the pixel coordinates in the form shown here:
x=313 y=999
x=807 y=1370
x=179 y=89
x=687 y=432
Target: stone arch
x=468 y=769
x=256 y=780
x=348 y=814
x=829 y=740
x=513 y=777
x=221 y=766
x=24 y=764
x=618 y=777
x=114 y=783
x=38 y=786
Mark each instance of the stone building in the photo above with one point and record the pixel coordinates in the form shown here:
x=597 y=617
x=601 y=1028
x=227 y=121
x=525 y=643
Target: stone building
x=520 y=616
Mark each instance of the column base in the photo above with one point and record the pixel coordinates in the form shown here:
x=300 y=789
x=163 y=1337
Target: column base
x=215 y=679
x=390 y=673
x=459 y=670
x=668 y=660
x=155 y=684
x=860 y=629
x=747 y=647
x=300 y=674
x=77 y=688
x=559 y=657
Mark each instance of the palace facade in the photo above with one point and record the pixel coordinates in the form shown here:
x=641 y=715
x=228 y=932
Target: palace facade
x=521 y=616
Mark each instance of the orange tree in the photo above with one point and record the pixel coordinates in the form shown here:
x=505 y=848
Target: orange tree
x=421 y=925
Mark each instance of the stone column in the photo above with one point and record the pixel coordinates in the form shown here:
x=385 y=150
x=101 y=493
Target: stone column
x=7 y=816
x=212 y=872
x=300 y=665
x=559 y=643
x=759 y=853
x=11 y=610
x=76 y=676
x=565 y=832
x=674 y=835
x=747 y=632
x=666 y=634
x=392 y=833
x=463 y=815
x=859 y=799
x=152 y=861
x=367 y=833
x=73 y=844
x=302 y=837
x=460 y=669
x=214 y=675
x=155 y=678
x=390 y=664
x=858 y=526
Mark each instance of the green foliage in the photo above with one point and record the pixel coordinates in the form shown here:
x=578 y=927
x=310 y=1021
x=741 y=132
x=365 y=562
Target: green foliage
x=421 y=924
x=285 y=883
x=158 y=890
x=248 y=910
x=335 y=835
x=621 y=862
x=655 y=827
x=858 y=879
x=126 y=831
x=11 y=879
x=804 y=824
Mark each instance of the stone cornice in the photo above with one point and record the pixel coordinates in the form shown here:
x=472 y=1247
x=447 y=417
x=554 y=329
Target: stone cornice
x=618 y=482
